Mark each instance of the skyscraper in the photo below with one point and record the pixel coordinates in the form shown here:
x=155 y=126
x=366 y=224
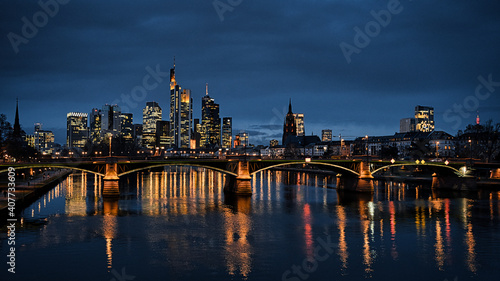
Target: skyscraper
x=163 y=134
x=424 y=116
x=76 y=129
x=196 y=137
x=95 y=125
x=181 y=113
x=227 y=131
x=210 y=121
x=290 y=127
x=299 y=123
x=127 y=126
x=326 y=135
x=110 y=120
x=150 y=115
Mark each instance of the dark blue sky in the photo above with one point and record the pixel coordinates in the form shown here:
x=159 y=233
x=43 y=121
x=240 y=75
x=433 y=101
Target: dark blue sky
x=255 y=56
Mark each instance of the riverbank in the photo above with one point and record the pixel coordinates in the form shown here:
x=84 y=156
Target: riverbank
x=28 y=192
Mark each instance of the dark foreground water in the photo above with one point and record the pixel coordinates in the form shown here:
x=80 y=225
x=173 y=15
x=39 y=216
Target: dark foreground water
x=178 y=225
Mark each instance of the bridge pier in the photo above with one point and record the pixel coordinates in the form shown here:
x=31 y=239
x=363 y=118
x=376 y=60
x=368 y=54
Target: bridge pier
x=111 y=181
x=241 y=184
x=465 y=183
x=364 y=183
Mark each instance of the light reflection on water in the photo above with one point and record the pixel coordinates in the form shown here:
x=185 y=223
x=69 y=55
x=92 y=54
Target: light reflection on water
x=178 y=222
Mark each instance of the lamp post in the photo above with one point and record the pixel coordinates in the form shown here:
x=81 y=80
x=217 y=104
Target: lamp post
x=470 y=152
x=110 y=146
x=437 y=149
x=366 y=146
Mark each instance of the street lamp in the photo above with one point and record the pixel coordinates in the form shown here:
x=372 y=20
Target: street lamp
x=470 y=153
x=437 y=149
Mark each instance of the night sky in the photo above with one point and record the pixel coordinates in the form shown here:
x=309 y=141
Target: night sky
x=255 y=55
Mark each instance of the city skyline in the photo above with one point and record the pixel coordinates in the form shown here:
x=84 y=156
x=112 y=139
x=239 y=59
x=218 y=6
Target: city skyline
x=253 y=72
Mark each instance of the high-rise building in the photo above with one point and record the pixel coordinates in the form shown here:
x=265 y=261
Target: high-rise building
x=163 y=134
x=227 y=132
x=424 y=116
x=150 y=115
x=326 y=135
x=210 y=122
x=181 y=113
x=299 y=123
x=137 y=133
x=76 y=129
x=95 y=125
x=110 y=120
x=127 y=126
x=290 y=127
x=44 y=141
x=407 y=125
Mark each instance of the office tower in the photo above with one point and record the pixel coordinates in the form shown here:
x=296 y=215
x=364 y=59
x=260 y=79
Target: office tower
x=150 y=115
x=163 y=139
x=76 y=129
x=44 y=141
x=243 y=138
x=326 y=135
x=274 y=143
x=210 y=121
x=181 y=113
x=95 y=125
x=127 y=127
x=299 y=123
x=290 y=127
x=110 y=120
x=227 y=131
x=424 y=116
x=407 y=125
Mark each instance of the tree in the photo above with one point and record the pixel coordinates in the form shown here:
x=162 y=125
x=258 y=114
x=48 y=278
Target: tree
x=480 y=141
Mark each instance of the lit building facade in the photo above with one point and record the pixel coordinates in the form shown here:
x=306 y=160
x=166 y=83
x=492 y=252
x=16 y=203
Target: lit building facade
x=424 y=118
x=274 y=143
x=244 y=138
x=326 y=135
x=181 y=113
x=163 y=139
x=227 y=132
x=150 y=115
x=76 y=129
x=95 y=125
x=210 y=122
x=127 y=126
x=299 y=123
x=44 y=141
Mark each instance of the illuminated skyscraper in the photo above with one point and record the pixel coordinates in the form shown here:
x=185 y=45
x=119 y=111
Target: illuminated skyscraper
x=76 y=129
x=227 y=131
x=290 y=127
x=181 y=113
x=95 y=125
x=196 y=137
x=326 y=135
x=127 y=126
x=210 y=122
x=299 y=123
x=424 y=116
x=150 y=115
x=163 y=138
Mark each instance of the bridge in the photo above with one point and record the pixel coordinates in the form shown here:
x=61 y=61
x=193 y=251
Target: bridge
x=356 y=175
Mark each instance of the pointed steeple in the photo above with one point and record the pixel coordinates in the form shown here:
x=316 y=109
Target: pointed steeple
x=17 y=126
x=290 y=106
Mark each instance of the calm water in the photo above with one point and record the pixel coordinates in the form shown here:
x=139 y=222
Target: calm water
x=178 y=225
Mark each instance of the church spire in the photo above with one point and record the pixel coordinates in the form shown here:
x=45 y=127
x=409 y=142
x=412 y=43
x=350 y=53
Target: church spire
x=290 y=106
x=17 y=126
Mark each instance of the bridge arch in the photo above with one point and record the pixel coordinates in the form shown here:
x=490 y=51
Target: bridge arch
x=52 y=166
x=309 y=163
x=456 y=171
x=178 y=164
